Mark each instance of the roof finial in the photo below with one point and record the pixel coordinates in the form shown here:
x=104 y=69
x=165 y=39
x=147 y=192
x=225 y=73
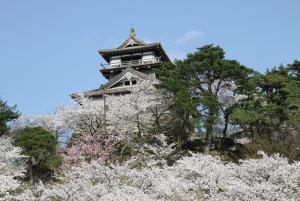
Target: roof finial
x=132 y=31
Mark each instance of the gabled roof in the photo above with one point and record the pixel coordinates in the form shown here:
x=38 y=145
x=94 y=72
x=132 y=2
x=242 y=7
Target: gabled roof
x=106 y=88
x=134 y=45
x=131 y=41
x=118 y=77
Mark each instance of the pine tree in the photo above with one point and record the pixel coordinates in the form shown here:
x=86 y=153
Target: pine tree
x=40 y=145
x=198 y=84
x=271 y=111
x=7 y=114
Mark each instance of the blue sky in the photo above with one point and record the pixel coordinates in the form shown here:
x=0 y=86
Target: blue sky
x=48 y=49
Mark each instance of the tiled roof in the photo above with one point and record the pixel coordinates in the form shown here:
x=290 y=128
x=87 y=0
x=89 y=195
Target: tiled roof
x=104 y=89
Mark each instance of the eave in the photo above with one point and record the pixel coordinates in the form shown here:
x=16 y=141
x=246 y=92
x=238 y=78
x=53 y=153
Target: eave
x=156 y=47
x=106 y=71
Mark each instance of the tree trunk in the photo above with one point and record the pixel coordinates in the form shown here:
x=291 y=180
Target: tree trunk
x=179 y=142
x=253 y=133
x=157 y=123
x=209 y=127
x=30 y=173
x=225 y=127
x=208 y=134
x=209 y=119
x=139 y=127
x=104 y=115
x=208 y=140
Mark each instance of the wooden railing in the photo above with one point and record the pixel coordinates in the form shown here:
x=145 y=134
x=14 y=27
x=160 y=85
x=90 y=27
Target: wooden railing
x=131 y=63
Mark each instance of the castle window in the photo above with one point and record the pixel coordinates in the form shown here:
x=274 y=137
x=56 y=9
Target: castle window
x=117 y=85
x=127 y=83
x=133 y=82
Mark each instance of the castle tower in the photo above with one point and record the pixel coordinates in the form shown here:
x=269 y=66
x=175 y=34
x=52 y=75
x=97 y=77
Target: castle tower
x=127 y=65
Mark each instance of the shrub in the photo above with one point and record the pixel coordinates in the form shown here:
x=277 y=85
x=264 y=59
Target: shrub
x=40 y=145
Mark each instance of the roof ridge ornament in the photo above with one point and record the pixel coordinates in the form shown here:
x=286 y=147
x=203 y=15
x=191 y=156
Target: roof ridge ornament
x=132 y=31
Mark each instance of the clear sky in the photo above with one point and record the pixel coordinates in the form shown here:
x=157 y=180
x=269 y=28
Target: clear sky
x=48 y=49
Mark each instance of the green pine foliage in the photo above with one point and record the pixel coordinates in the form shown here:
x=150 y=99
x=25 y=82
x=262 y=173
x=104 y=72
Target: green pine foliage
x=195 y=83
x=40 y=145
x=267 y=112
x=174 y=79
x=7 y=114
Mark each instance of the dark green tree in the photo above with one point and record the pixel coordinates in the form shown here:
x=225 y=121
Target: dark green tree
x=7 y=114
x=294 y=93
x=280 y=89
x=175 y=79
x=198 y=84
x=271 y=113
x=246 y=112
x=40 y=145
x=213 y=78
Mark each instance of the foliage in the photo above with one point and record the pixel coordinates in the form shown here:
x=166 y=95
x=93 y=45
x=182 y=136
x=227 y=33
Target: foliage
x=194 y=177
x=220 y=97
x=206 y=93
x=132 y=116
x=40 y=145
x=88 y=147
x=290 y=151
x=129 y=116
x=124 y=149
x=7 y=114
x=201 y=86
x=183 y=106
x=271 y=113
x=11 y=166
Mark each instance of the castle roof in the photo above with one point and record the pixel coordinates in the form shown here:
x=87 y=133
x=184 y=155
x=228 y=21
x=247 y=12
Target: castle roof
x=133 y=69
x=134 y=45
x=109 y=88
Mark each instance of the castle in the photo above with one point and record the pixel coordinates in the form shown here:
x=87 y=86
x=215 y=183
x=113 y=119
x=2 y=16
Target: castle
x=127 y=66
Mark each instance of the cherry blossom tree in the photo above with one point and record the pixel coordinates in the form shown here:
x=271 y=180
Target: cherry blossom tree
x=11 y=166
x=147 y=176
x=136 y=113
x=128 y=114
x=88 y=147
x=194 y=177
x=64 y=118
x=61 y=119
